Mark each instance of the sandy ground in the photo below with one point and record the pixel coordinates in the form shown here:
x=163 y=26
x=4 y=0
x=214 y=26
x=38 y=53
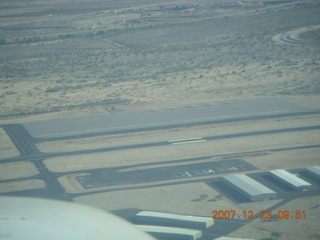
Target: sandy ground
x=17 y=170
x=7 y=148
x=21 y=185
x=288 y=159
x=295 y=229
x=175 y=198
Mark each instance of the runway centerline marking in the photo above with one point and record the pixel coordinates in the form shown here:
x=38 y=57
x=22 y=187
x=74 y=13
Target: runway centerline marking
x=184 y=140
x=159 y=124
x=195 y=141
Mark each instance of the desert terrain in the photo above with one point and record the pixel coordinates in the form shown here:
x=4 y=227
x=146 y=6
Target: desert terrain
x=153 y=55
x=63 y=59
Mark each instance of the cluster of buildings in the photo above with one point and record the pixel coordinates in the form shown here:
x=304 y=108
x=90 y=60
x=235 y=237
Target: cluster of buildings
x=255 y=191
x=183 y=227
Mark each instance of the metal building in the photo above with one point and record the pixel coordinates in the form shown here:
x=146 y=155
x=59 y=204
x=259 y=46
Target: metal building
x=314 y=170
x=172 y=233
x=174 y=220
x=291 y=179
x=232 y=238
x=249 y=187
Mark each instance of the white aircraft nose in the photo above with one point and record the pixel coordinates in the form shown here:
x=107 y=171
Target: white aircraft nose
x=38 y=219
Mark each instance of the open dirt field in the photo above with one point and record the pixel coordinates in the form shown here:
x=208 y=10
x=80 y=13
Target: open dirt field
x=17 y=170
x=15 y=186
x=164 y=199
x=7 y=148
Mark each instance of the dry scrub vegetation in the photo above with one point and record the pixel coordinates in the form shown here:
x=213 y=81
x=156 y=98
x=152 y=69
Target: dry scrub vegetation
x=53 y=61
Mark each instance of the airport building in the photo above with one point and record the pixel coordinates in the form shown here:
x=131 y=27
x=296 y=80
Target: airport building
x=174 y=220
x=161 y=232
x=291 y=180
x=314 y=170
x=249 y=187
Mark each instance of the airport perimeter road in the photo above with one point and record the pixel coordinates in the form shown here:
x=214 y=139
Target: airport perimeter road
x=163 y=118
x=293 y=37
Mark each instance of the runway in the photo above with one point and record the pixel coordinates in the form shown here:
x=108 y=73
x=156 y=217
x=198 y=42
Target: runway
x=162 y=118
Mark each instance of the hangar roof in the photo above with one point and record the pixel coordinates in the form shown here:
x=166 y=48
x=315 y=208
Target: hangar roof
x=290 y=178
x=314 y=169
x=249 y=185
x=174 y=216
x=164 y=229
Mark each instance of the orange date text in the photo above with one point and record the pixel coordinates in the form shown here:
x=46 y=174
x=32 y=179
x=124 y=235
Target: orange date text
x=263 y=214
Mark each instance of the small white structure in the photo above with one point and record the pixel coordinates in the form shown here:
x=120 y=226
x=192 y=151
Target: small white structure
x=249 y=187
x=291 y=180
x=175 y=220
x=314 y=170
x=171 y=233
x=232 y=238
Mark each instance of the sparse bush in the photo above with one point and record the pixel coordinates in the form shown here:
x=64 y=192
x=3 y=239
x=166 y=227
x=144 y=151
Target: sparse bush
x=219 y=196
x=203 y=196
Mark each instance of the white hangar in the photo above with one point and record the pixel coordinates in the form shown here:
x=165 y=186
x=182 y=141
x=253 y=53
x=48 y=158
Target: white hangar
x=314 y=170
x=291 y=180
x=249 y=187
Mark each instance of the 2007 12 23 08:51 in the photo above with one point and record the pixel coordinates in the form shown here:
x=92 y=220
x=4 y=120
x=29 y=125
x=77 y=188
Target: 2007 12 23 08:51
x=263 y=214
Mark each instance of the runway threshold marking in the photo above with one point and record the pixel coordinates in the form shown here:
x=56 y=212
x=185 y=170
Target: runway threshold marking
x=187 y=140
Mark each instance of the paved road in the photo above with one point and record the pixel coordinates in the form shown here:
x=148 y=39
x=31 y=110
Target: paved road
x=288 y=38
